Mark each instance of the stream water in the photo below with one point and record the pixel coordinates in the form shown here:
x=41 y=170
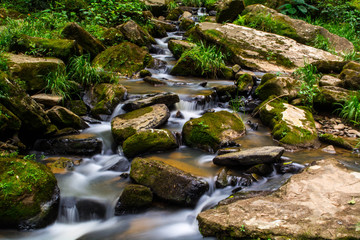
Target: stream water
x=95 y=185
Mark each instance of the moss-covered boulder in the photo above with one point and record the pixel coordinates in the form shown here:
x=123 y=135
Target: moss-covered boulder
x=178 y=47
x=136 y=34
x=228 y=10
x=64 y=118
x=77 y=106
x=125 y=58
x=59 y=48
x=157 y=30
x=350 y=78
x=278 y=86
x=105 y=97
x=29 y=196
x=167 y=25
x=174 y=14
x=336 y=141
x=168 y=98
x=213 y=130
x=126 y=125
x=61 y=165
x=226 y=92
x=33 y=71
x=270 y=20
x=134 y=197
x=293 y=127
x=113 y=36
x=329 y=96
x=89 y=43
x=34 y=121
x=328 y=80
x=167 y=182
x=148 y=141
x=47 y=100
x=9 y=123
x=186 y=24
x=245 y=83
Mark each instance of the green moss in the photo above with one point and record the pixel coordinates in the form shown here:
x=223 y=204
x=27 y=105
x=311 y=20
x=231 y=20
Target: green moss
x=136 y=196
x=174 y=14
x=245 y=82
x=107 y=97
x=336 y=141
x=267 y=77
x=136 y=113
x=24 y=186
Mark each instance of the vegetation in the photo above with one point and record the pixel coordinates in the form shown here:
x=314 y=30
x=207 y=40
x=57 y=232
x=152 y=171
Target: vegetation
x=58 y=84
x=350 y=110
x=296 y=7
x=80 y=70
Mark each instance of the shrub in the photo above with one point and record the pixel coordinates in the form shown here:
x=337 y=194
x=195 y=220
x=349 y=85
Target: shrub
x=80 y=70
x=296 y=7
x=58 y=84
x=350 y=110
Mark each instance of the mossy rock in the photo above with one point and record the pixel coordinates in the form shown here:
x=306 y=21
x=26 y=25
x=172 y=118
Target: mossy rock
x=148 y=141
x=186 y=24
x=157 y=30
x=145 y=73
x=74 y=5
x=213 y=130
x=113 y=36
x=329 y=97
x=336 y=141
x=293 y=127
x=125 y=58
x=245 y=83
x=351 y=79
x=77 y=106
x=135 y=196
x=174 y=14
x=29 y=195
x=64 y=118
x=178 y=47
x=59 y=48
x=278 y=86
x=9 y=123
x=228 y=10
x=136 y=34
x=105 y=97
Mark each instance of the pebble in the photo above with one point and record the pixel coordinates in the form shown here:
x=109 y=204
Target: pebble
x=329 y=149
x=339 y=126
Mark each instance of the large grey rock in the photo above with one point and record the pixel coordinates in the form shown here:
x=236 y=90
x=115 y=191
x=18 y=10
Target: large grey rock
x=314 y=204
x=126 y=125
x=168 y=99
x=167 y=182
x=249 y=157
x=259 y=50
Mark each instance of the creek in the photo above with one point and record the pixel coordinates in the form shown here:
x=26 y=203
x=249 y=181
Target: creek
x=95 y=184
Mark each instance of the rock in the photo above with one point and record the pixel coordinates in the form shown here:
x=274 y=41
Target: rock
x=59 y=48
x=288 y=167
x=33 y=71
x=145 y=73
x=29 y=196
x=228 y=150
x=293 y=127
x=125 y=58
x=113 y=36
x=34 y=121
x=350 y=79
x=186 y=14
x=169 y=27
x=355 y=66
x=90 y=209
x=136 y=34
x=213 y=130
x=9 y=123
x=229 y=10
x=247 y=48
x=296 y=29
x=61 y=165
x=64 y=118
x=336 y=141
x=339 y=127
x=226 y=92
x=126 y=125
x=167 y=182
x=186 y=24
x=148 y=141
x=328 y=80
x=329 y=67
x=105 y=97
x=169 y=99
x=329 y=149
x=178 y=47
x=134 y=197
x=261 y=169
x=78 y=145
x=47 y=99
x=174 y=14
x=278 y=86
x=153 y=81
x=226 y=178
x=250 y=157
x=244 y=83
x=157 y=30
x=77 y=106
x=329 y=96
x=312 y=204
x=157 y=7
x=354 y=132
x=89 y=43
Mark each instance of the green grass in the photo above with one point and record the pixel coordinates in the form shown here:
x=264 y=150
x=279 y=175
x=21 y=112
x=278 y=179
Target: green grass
x=350 y=110
x=3 y=61
x=80 y=70
x=58 y=84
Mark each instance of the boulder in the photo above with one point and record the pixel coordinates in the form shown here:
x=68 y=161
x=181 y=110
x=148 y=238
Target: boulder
x=336 y=141
x=29 y=196
x=293 y=127
x=89 y=43
x=297 y=29
x=226 y=177
x=244 y=83
x=350 y=79
x=59 y=48
x=328 y=80
x=153 y=81
x=169 y=27
x=315 y=204
x=329 y=96
x=186 y=24
x=126 y=125
x=226 y=92
x=145 y=73
x=77 y=106
x=168 y=183
x=61 y=165
x=33 y=71
x=148 y=141
x=136 y=34
x=178 y=47
x=229 y=10
x=47 y=100
x=278 y=86
x=157 y=7
x=213 y=130
x=78 y=145
x=246 y=47
x=157 y=30
x=9 y=123
x=250 y=157
x=134 y=196
x=169 y=99
x=125 y=58
x=64 y=118
x=174 y=14
x=113 y=36
x=105 y=97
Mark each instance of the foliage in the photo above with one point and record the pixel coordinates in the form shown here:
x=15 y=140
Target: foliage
x=172 y=5
x=309 y=78
x=3 y=62
x=199 y=3
x=296 y=7
x=80 y=70
x=58 y=84
x=322 y=42
x=30 y=157
x=207 y=58
x=350 y=110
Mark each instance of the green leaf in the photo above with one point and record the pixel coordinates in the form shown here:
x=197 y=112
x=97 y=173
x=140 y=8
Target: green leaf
x=302 y=9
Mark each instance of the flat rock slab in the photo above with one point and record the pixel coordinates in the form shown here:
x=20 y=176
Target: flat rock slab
x=249 y=157
x=47 y=99
x=316 y=204
x=168 y=99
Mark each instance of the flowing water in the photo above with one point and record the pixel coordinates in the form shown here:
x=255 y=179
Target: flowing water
x=90 y=192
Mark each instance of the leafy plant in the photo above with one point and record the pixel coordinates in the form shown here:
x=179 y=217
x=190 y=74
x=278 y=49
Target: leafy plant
x=350 y=110
x=58 y=84
x=80 y=70
x=322 y=42
x=30 y=157
x=172 y=5
x=3 y=61
x=296 y=6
